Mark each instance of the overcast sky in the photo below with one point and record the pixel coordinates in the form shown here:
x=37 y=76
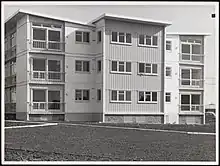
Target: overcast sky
x=184 y=19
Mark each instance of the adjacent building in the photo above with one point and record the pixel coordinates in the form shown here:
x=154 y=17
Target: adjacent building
x=113 y=69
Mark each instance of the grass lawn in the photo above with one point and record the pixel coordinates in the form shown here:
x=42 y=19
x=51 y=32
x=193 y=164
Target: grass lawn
x=80 y=143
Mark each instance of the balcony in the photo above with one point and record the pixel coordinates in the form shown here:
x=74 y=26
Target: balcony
x=10 y=53
x=47 y=107
x=10 y=107
x=192 y=108
x=48 y=76
x=10 y=81
x=191 y=83
x=191 y=58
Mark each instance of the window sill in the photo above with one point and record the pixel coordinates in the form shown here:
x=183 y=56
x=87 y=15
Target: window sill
x=86 y=43
x=147 y=74
x=124 y=102
x=144 y=102
x=116 y=72
x=142 y=45
x=119 y=43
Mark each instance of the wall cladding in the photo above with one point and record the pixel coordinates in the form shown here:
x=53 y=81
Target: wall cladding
x=191 y=119
x=148 y=119
x=40 y=117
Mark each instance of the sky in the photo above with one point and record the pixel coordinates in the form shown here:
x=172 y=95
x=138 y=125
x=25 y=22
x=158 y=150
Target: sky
x=184 y=18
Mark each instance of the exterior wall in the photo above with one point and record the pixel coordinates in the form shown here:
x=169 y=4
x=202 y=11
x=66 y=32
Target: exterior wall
x=172 y=83
x=21 y=69
x=189 y=119
x=133 y=54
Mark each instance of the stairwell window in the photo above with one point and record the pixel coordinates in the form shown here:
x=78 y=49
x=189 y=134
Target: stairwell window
x=146 y=40
x=82 y=37
x=120 y=96
x=147 y=97
x=121 y=37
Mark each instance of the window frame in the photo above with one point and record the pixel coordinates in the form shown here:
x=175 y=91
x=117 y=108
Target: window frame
x=82 y=37
x=117 y=96
x=170 y=69
x=118 y=65
x=82 y=66
x=170 y=50
x=81 y=94
x=125 y=38
x=145 y=94
x=167 y=94
x=151 y=41
x=145 y=66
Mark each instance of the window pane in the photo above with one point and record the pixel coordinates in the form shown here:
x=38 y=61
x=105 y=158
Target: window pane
x=53 y=65
x=99 y=94
x=114 y=36
x=141 y=96
x=114 y=65
x=85 y=94
x=54 y=35
x=78 y=95
x=141 y=39
x=39 y=34
x=196 y=73
x=195 y=99
x=148 y=40
x=196 y=49
x=185 y=99
x=147 y=96
x=128 y=95
x=39 y=96
x=128 y=38
x=78 y=36
x=99 y=34
x=141 y=67
x=168 y=45
x=154 y=96
x=185 y=73
x=155 y=40
x=121 y=37
x=121 y=66
x=154 y=68
x=86 y=37
x=121 y=95
x=148 y=68
x=128 y=66
x=86 y=66
x=114 y=95
x=53 y=96
x=168 y=71
x=78 y=65
x=39 y=65
x=99 y=65
x=186 y=48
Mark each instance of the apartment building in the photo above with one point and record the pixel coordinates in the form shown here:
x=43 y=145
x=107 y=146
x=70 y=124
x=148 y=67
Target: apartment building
x=184 y=85
x=111 y=69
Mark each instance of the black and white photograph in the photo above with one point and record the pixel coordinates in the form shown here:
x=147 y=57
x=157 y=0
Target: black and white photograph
x=110 y=82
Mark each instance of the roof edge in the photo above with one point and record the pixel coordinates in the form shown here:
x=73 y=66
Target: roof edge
x=189 y=33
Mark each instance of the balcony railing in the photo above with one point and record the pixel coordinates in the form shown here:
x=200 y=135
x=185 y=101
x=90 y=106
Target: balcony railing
x=10 y=107
x=191 y=107
x=47 y=45
x=196 y=58
x=194 y=83
x=10 y=80
x=46 y=106
x=11 y=52
x=47 y=76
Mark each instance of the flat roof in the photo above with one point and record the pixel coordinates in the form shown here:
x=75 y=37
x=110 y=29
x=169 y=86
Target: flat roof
x=20 y=12
x=188 y=33
x=130 y=19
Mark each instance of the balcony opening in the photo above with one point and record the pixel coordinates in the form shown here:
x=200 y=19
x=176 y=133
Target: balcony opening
x=54 y=100
x=54 y=70
x=39 y=99
x=39 y=68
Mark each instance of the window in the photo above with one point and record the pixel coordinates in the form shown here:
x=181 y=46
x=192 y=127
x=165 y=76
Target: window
x=148 y=40
x=99 y=65
x=191 y=77
x=147 y=68
x=39 y=64
x=39 y=34
x=120 y=66
x=81 y=94
x=83 y=37
x=147 y=96
x=121 y=37
x=190 y=102
x=120 y=95
x=99 y=94
x=54 y=69
x=168 y=71
x=99 y=36
x=168 y=97
x=54 y=100
x=82 y=66
x=168 y=45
